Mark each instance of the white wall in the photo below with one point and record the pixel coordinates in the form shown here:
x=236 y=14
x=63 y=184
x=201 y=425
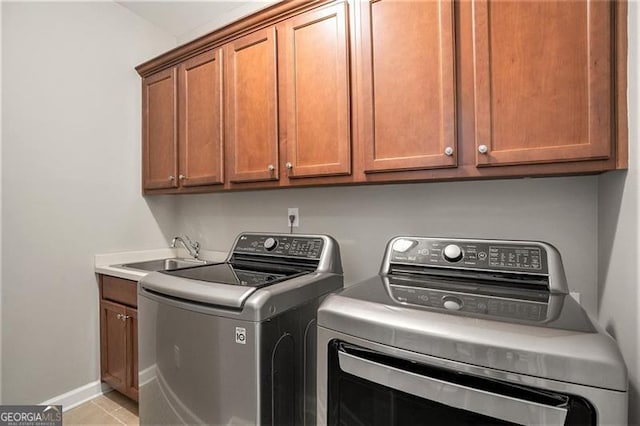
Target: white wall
x=1 y=3
x=619 y=233
x=70 y=182
x=243 y=8
x=561 y=211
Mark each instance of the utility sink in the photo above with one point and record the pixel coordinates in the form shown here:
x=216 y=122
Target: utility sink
x=170 y=264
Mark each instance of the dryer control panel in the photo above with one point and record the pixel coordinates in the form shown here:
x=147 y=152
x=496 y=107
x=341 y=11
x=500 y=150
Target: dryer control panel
x=470 y=254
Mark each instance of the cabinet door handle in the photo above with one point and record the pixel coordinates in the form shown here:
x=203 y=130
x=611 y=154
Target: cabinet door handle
x=125 y=317
x=182 y=177
x=119 y=316
x=271 y=167
x=288 y=165
x=448 y=151
x=172 y=178
x=483 y=149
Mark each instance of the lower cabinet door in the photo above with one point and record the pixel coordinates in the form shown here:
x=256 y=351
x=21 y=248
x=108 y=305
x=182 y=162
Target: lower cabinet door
x=119 y=347
x=132 y=353
x=113 y=345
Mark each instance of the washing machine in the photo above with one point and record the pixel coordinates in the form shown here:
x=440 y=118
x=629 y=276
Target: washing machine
x=234 y=343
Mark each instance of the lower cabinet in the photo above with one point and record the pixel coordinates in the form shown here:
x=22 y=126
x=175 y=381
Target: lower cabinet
x=119 y=335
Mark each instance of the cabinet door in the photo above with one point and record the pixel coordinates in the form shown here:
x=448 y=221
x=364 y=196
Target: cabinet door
x=542 y=81
x=408 y=85
x=201 y=120
x=113 y=345
x=132 y=352
x=317 y=93
x=252 y=113
x=160 y=143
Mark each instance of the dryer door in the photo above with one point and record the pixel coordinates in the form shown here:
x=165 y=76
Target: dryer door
x=367 y=387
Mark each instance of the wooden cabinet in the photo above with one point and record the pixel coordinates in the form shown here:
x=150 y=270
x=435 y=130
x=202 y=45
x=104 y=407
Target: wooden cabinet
x=543 y=81
x=159 y=131
x=200 y=121
x=276 y=70
x=407 y=80
x=119 y=335
x=182 y=124
x=132 y=353
x=316 y=93
x=113 y=340
x=379 y=91
x=252 y=107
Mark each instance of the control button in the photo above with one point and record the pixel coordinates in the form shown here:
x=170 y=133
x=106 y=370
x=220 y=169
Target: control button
x=482 y=255
x=452 y=303
x=270 y=243
x=402 y=245
x=452 y=253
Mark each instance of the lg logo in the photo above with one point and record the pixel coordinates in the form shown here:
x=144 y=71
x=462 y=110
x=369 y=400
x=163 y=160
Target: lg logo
x=241 y=335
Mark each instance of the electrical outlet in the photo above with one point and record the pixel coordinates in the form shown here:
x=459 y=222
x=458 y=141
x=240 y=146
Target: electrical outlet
x=293 y=211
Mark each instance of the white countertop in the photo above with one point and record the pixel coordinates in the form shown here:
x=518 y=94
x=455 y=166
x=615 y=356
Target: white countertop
x=104 y=263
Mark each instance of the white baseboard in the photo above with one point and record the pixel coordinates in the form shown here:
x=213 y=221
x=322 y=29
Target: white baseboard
x=147 y=375
x=77 y=396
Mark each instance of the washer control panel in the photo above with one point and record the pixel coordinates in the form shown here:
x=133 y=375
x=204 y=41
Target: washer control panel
x=469 y=303
x=280 y=245
x=472 y=254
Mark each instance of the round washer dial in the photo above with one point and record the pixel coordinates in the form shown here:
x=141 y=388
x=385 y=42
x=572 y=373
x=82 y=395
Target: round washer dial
x=270 y=243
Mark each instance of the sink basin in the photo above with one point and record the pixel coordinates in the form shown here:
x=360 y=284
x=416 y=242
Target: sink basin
x=164 y=264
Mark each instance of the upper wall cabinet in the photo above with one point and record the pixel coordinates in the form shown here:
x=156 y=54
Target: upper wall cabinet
x=316 y=93
x=182 y=124
x=252 y=107
x=159 y=137
x=325 y=92
x=408 y=98
x=543 y=81
x=201 y=125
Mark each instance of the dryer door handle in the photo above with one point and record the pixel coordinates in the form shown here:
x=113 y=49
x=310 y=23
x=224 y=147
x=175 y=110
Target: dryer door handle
x=479 y=401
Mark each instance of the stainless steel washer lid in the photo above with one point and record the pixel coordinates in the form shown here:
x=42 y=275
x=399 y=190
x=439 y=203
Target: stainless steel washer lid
x=279 y=271
x=198 y=291
x=563 y=354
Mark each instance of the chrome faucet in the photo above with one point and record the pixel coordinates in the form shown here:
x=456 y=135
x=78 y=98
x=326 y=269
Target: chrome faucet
x=193 y=247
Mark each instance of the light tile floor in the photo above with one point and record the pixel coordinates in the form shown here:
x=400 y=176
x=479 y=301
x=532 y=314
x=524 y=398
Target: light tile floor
x=111 y=408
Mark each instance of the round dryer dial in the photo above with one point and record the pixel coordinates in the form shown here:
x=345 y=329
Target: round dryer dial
x=452 y=253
